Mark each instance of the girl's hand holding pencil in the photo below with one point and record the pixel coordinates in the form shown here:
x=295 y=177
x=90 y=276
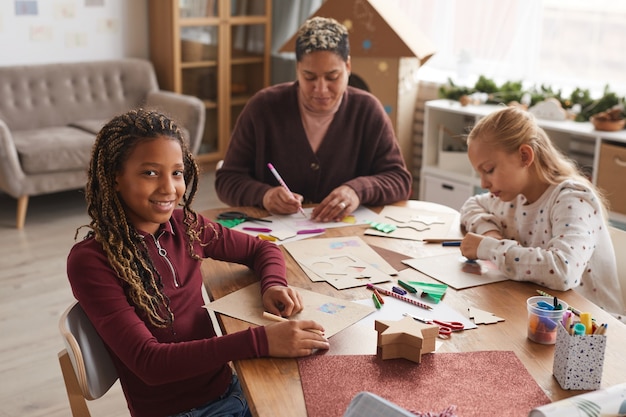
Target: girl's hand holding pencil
x=293 y=338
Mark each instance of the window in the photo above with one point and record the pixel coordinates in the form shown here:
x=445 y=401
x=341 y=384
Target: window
x=560 y=43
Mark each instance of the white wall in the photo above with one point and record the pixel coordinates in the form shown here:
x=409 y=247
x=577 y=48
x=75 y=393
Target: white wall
x=73 y=30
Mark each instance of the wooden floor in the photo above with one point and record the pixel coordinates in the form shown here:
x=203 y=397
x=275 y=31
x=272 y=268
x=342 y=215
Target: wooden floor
x=34 y=292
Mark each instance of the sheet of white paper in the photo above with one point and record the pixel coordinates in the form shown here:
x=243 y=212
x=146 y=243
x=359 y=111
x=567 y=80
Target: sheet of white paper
x=296 y=222
x=282 y=234
x=394 y=308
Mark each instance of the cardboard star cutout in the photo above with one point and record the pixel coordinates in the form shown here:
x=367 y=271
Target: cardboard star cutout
x=406 y=338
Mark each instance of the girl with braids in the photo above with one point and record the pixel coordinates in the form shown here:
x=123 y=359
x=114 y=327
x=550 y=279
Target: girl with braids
x=137 y=276
x=541 y=221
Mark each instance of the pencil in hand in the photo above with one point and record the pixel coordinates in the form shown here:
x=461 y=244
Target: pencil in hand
x=283 y=184
x=274 y=317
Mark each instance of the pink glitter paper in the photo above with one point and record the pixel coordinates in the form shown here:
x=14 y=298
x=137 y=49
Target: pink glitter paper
x=480 y=384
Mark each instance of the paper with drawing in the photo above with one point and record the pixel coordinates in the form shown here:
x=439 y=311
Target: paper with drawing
x=306 y=252
x=344 y=271
x=285 y=228
x=414 y=224
x=332 y=313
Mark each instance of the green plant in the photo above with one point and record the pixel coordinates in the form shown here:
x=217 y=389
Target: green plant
x=514 y=91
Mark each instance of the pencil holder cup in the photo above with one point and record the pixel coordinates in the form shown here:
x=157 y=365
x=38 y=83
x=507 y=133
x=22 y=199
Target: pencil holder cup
x=542 y=323
x=578 y=360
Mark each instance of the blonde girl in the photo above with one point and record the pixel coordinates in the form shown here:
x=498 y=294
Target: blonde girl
x=541 y=221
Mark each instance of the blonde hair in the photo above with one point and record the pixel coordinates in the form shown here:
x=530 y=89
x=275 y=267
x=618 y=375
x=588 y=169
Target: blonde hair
x=124 y=247
x=511 y=127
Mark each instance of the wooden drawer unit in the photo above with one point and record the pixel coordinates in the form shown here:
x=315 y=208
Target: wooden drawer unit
x=611 y=173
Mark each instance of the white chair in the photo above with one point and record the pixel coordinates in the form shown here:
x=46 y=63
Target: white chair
x=85 y=363
x=618 y=236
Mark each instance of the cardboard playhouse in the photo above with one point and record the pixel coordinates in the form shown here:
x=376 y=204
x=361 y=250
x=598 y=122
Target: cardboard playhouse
x=386 y=50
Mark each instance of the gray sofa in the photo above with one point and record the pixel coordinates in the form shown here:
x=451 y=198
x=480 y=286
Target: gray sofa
x=50 y=115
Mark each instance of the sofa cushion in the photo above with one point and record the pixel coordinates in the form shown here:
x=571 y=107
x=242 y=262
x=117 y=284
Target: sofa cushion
x=91 y=126
x=56 y=94
x=94 y=126
x=53 y=149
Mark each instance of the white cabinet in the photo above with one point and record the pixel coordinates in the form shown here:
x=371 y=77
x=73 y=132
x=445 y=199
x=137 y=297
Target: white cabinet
x=448 y=178
x=446 y=191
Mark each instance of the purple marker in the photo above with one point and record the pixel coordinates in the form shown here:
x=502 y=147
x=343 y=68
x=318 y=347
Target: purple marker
x=258 y=229
x=309 y=231
x=398 y=290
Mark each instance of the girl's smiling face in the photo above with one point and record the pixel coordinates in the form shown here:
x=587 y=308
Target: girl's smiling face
x=151 y=182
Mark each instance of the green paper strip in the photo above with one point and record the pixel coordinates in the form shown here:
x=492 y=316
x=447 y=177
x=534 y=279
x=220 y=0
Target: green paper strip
x=434 y=291
x=230 y=222
x=383 y=227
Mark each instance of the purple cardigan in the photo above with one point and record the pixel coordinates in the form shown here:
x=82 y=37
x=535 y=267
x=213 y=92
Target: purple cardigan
x=359 y=150
x=165 y=371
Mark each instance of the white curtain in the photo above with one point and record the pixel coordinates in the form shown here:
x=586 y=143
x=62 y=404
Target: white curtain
x=560 y=43
x=287 y=16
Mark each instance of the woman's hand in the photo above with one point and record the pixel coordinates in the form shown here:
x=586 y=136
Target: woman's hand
x=282 y=301
x=294 y=338
x=277 y=200
x=337 y=205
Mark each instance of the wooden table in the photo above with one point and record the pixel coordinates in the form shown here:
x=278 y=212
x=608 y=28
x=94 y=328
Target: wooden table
x=273 y=386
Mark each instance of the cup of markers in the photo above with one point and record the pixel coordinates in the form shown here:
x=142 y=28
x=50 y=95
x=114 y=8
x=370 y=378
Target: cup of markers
x=544 y=315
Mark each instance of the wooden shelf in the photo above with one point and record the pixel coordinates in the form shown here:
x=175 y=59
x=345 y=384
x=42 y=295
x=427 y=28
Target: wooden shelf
x=201 y=50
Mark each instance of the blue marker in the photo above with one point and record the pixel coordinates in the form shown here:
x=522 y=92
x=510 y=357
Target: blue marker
x=545 y=306
x=452 y=243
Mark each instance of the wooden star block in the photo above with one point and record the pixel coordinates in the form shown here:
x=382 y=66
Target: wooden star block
x=406 y=338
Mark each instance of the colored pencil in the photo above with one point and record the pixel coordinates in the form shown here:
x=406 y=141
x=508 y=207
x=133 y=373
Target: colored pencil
x=399 y=297
x=274 y=317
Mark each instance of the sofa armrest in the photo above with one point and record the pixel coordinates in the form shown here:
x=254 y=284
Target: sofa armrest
x=187 y=111
x=11 y=174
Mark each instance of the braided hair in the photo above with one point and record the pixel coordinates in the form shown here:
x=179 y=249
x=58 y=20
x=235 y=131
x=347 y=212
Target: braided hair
x=124 y=247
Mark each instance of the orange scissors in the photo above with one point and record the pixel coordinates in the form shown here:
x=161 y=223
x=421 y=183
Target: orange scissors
x=445 y=327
